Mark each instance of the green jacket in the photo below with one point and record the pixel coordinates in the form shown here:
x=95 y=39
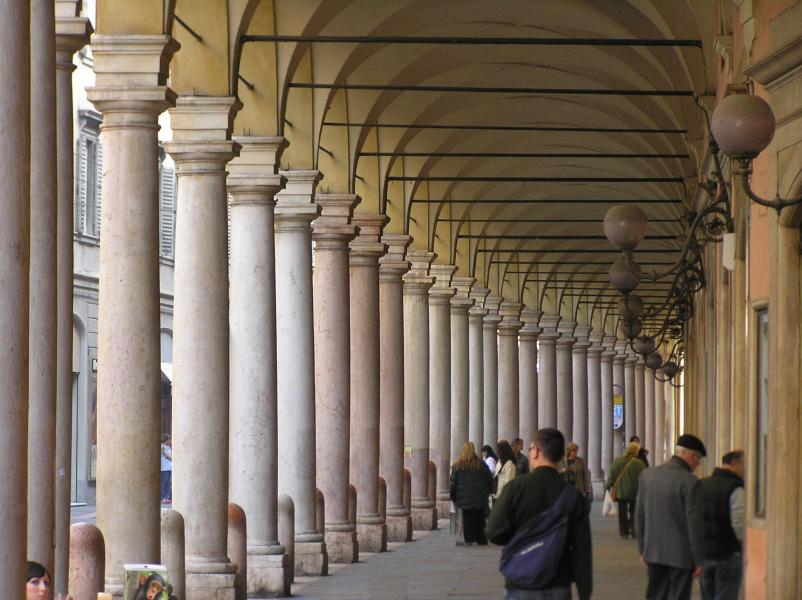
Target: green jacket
x=627 y=486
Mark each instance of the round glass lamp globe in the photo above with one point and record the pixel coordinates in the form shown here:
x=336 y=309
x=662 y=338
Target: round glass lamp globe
x=644 y=345
x=624 y=275
x=654 y=360
x=743 y=125
x=671 y=369
x=630 y=306
x=625 y=225
x=631 y=328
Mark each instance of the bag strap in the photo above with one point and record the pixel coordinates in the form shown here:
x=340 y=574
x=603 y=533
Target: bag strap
x=621 y=474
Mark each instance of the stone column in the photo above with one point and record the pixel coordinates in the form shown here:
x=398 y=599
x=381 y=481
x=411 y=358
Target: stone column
x=295 y=364
x=129 y=93
x=640 y=401
x=650 y=441
x=366 y=250
x=594 y=448
x=579 y=386
x=15 y=147
x=460 y=361
x=392 y=267
x=607 y=378
x=619 y=389
x=527 y=375
x=201 y=148
x=490 y=362
x=417 y=283
x=331 y=232
x=440 y=296
x=658 y=451
x=43 y=282
x=547 y=372
x=508 y=390
x=476 y=373
x=630 y=410
x=253 y=443
x=565 y=378
x=72 y=33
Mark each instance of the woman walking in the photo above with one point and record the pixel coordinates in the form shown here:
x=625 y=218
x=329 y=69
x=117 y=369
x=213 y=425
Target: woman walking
x=505 y=468
x=575 y=472
x=469 y=488
x=622 y=482
x=489 y=457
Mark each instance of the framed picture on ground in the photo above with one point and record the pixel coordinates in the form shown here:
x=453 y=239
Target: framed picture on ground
x=146 y=582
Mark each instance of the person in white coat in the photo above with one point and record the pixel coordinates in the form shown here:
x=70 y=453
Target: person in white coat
x=505 y=467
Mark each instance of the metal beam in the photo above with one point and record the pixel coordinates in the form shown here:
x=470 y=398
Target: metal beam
x=526 y=179
x=534 y=238
x=492 y=220
x=471 y=40
x=548 y=201
x=572 y=263
x=542 y=128
x=572 y=251
x=592 y=155
x=377 y=87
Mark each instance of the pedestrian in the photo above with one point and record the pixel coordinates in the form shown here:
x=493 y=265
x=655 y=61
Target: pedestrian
x=505 y=468
x=489 y=457
x=723 y=494
x=669 y=519
x=37 y=586
x=575 y=471
x=469 y=488
x=643 y=453
x=522 y=503
x=166 y=475
x=622 y=482
x=521 y=462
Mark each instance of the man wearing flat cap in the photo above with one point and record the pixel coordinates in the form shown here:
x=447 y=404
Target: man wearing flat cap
x=669 y=521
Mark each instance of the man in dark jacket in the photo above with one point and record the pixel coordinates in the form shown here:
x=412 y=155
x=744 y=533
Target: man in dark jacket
x=723 y=495
x=669 y=522
x=521 y=461
x=524 y=498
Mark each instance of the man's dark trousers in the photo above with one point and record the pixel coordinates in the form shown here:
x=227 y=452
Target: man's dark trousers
x=668 y=583
x=721 y=579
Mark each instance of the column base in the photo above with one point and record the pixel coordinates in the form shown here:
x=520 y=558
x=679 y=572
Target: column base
x=311 y=558
x=399 y=529
x=598 y=490
x=211 y=581
x=269 y=575
x=424 y=519
x=443 y=508
x=342 y=546
x=372 y=537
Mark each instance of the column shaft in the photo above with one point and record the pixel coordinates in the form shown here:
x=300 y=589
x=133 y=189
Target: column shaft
x=476 y=374
x=648 y=399
x=440 y=296
x=595 y=409
x=640 y=402
x=295 y=361
x=490 y=361
x=508 y=375
x=43 y=283
x=565 y=379
x=460 y=363
x=630 y=410
x=392 y=267
x=72 y=32
x=365 y=252
x=14 y=265
x=201 y=149
x=579 y=390
x=547 y=372
x=659 y=449
x=128 y=379
x=331 y=232
x=619 y=389
x=416 y=385
x=607 y=378
x=253 y=442
x=527 y=376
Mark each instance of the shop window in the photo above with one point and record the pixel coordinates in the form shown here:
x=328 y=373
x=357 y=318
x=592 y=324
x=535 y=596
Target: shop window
x=762 y=413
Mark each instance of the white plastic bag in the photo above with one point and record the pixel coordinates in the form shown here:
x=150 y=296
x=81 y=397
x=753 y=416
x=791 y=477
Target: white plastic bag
x=609 y=508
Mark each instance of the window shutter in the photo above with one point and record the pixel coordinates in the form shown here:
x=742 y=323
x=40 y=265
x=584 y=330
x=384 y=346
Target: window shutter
x=166 y=211
x=80 y=185
x=98 y=185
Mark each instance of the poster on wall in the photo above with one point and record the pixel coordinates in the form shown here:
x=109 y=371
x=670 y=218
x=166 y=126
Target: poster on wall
x=618 y=411
x=146 y=582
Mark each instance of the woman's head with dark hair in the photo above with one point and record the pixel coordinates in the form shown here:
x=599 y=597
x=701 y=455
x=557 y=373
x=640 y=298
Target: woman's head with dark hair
x=505 y=452
x=37 y=582
x=487 y=452
x=35 y=570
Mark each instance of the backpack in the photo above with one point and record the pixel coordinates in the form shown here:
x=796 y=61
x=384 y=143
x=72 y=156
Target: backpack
x=532 y=557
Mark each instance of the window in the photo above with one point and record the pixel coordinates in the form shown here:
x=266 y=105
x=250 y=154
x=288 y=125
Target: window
x=166 y=207
x=762 y=413
x=88 y=176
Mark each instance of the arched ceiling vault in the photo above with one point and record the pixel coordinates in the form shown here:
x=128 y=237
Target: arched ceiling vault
x=496 y=133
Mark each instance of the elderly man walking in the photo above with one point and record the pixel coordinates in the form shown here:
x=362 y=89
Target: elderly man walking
x=669 y=521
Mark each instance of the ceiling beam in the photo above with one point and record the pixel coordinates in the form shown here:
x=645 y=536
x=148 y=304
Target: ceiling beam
x=591 y=155
x=542 y=128
x=527 y=179
x=548 y=201
x=535 y=237
x=573 y=251
x=493 y=220
x=381 y=87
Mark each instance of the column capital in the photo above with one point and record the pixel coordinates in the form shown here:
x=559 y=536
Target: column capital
x=620 y=349
x=333 y=228
x=295 y=205
x=417 y=280
x=478 y=294
x=608 y=343
x=596 y=338
x=531 y=330
x=393 y=264
x=252 y=174
x=510 y=313
x=630 y=359
x=462 y=301
x=566 y=330
x=201 y=127
x=492 y=318
x=367 y=247
x=130 y=77
x=442 y=291
x=640 y=365
x=72 y=32
x=549 y=323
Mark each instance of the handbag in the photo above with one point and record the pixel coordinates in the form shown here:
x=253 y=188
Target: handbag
x=609 y=507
